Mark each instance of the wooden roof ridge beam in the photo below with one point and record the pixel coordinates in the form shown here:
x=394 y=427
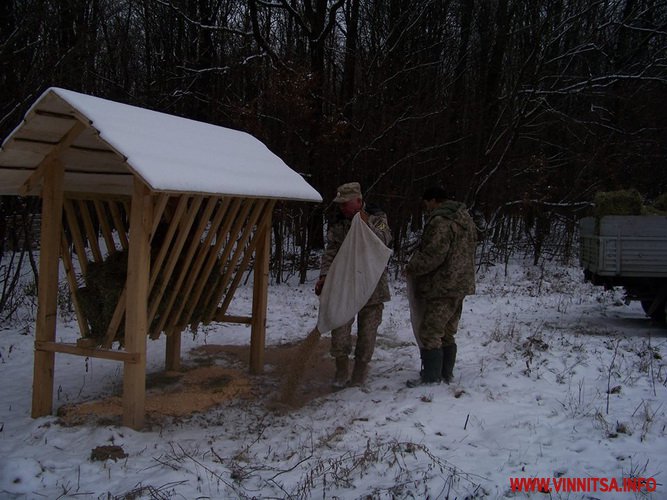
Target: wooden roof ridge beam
x=67 y=140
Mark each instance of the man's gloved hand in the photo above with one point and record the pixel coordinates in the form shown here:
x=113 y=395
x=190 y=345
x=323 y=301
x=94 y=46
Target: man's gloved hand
x=319 y=285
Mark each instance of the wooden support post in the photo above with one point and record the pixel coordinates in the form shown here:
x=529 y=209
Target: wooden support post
x=136 y=316
x=47 y=296
x=173 y=355
x=260 y=296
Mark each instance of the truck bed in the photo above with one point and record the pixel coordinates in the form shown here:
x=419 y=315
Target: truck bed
x=633 y=246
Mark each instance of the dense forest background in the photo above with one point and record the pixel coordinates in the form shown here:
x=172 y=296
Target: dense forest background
x=522 y=109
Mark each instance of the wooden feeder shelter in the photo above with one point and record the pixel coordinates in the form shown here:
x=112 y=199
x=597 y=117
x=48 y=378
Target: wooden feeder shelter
x=155 y=219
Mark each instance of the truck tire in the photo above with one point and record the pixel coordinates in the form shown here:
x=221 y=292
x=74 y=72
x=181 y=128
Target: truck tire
x=659 y=314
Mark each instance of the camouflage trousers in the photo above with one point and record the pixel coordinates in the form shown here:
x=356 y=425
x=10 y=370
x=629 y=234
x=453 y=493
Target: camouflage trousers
x=441 y=320
x=368 y=320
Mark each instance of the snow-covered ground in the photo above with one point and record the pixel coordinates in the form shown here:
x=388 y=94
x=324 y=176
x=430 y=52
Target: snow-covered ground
x=554 y=379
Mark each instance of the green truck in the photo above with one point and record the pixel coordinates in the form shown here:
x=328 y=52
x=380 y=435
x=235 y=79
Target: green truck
x=628 y=251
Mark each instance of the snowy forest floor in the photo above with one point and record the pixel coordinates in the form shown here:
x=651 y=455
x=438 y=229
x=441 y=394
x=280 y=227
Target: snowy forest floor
x=554 y=379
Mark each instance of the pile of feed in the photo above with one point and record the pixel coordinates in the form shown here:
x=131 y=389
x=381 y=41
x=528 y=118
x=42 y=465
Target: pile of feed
x=627 y=202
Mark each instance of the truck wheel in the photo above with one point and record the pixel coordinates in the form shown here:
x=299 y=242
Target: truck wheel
x=659 y=314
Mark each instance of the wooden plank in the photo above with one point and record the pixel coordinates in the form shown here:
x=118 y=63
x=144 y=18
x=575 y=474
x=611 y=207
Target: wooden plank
x=103 y=220
x=230 y=271
x=170 y=319
x=73 y=285
x=67 y=348
x=119 y=311
x=119 y=225
x=77 y=238
x=116 y=319
x=235 y=220
x=64 y=143
x=229 y=216
x=260 y=294
x=91 y=234
x=197 y=280
x=173 y=352
x=47 y=295
x=168 y=238
x=247 y=255
x=105 y=197
x=245 y=320
x=136 y=316
x=160 y=205
x=101 y=184
x=181 y=239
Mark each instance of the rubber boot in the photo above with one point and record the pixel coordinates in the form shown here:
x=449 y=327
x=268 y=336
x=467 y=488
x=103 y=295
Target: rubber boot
x=448 y=361
x=421 y=356
x=342 y=371
x=359 y=373
x=432 y=372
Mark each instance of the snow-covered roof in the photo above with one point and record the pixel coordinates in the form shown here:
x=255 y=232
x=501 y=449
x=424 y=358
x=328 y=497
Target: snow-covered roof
x=170 y=154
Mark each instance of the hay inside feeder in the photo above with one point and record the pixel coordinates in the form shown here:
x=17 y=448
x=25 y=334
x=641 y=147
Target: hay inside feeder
x=104 y=285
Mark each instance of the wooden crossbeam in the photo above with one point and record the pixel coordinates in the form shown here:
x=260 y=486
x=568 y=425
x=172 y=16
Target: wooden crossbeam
x=91 y=352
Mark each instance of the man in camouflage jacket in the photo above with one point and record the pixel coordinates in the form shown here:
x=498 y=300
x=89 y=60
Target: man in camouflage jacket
x=443 y=269
x=349 y=200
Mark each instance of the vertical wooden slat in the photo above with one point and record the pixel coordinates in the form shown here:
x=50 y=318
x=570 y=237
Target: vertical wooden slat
x=119 y=311
x=136 y=317
x=73 y=285
x=91 y=234
x=45 y=328
x=118 y=224
x=197 y=279
x=171 y=230
x=236 y=212
x=184 y=261
x=183 y=234
x=260 y=294
x=243 y=266
x=173 y=352
x=160 y=205
x=77 y=237
x=104 y=226
x=231 y=227
x=231 y=264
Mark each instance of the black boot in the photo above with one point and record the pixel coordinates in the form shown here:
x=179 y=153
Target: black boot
x=342 y=372
x=421 y=357
x=448 y=361
x=432 y=371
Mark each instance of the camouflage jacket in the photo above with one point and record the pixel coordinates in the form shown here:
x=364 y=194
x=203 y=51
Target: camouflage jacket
x=444 y=263
x=338 y=228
